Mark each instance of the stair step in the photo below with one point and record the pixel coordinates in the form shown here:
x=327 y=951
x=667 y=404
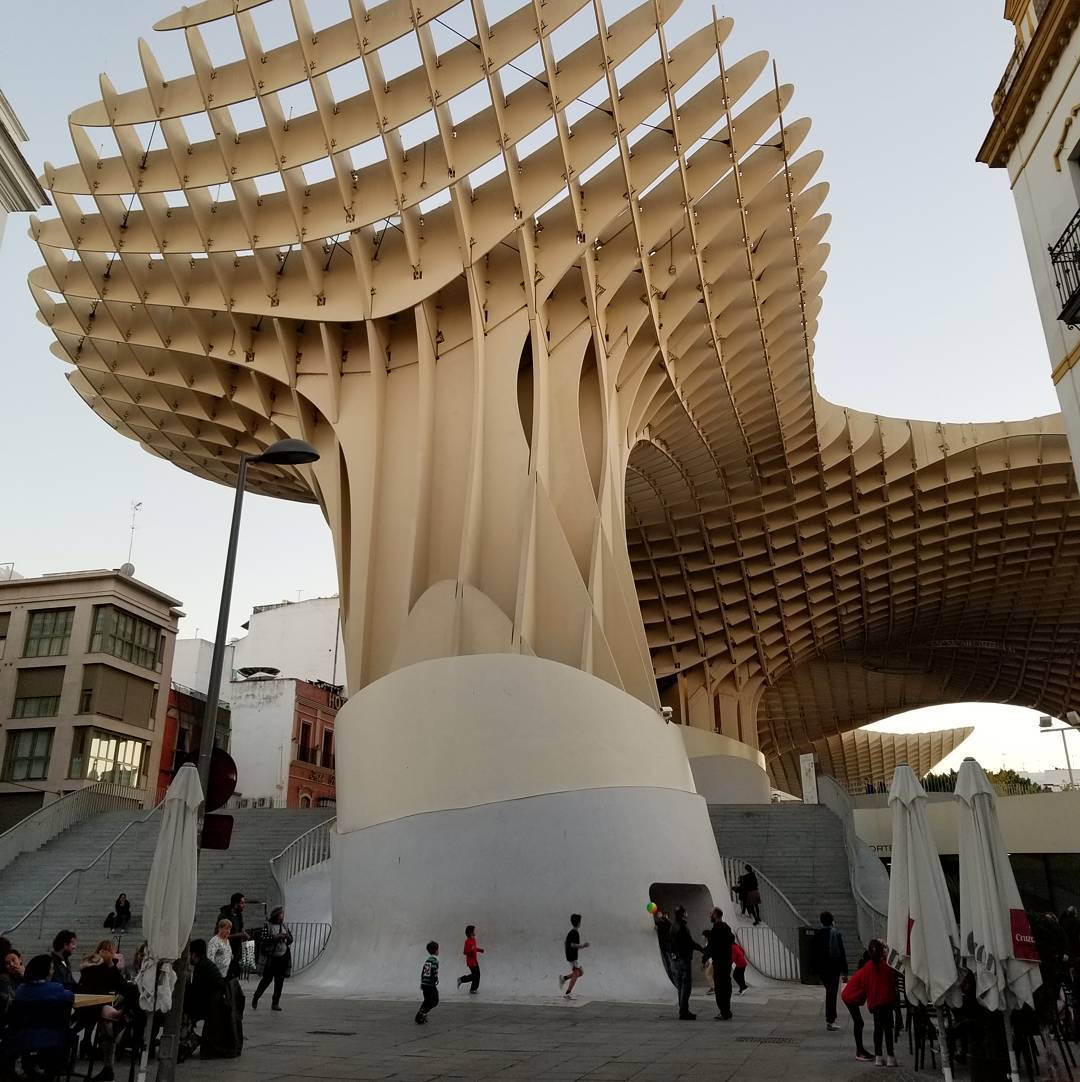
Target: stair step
x=83 y=901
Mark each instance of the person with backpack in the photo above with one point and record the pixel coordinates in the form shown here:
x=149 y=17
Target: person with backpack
x=749 y=894
x=274 y=941
x=830 y=962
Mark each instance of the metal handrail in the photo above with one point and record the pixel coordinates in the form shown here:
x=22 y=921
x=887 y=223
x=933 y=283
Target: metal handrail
x=311 y=848
x=42 y=902
x=872 y=922
x=40 y=827
x=767 y=950
x=778 y=914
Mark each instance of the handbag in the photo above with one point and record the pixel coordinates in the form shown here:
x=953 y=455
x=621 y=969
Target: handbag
x=110 y=921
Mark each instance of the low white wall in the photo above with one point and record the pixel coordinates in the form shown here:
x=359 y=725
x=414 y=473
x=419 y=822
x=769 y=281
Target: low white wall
x=307 y=895
x=1037 y=823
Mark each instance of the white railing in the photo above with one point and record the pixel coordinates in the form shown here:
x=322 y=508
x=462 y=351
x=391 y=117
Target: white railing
x=311 y=848
x=46 y=823
x=63 y=895
x=873 y=920
x=773 y=951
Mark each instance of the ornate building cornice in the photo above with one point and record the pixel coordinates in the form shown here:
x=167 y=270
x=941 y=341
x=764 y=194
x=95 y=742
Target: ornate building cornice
x=1025 y=79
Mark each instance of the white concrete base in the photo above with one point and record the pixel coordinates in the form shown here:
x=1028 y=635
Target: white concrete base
x=517 y=870
x=516 y=867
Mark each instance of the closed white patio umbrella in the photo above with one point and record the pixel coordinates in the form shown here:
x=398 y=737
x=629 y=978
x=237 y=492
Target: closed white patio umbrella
x=924 y=940
x=169 y=904
x=996 y=940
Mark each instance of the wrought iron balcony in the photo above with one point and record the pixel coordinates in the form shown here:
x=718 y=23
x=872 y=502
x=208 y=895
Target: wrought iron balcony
x=1065 y=257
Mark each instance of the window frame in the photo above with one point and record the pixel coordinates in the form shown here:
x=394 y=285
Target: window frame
x=122 y=634
x=7 y=770
x=63 y=639
x=113 y=767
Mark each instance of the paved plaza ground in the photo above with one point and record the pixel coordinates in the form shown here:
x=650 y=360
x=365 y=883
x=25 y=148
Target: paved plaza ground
x=774 y=1035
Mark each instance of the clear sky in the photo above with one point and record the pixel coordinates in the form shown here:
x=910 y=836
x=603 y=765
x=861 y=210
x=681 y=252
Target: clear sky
x=929 y=310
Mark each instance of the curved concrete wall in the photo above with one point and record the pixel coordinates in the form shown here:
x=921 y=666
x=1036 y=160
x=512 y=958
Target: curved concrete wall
x=726 y=771
x=517 y=869
x=728 y=779
x=508 y=791
x=460 y=731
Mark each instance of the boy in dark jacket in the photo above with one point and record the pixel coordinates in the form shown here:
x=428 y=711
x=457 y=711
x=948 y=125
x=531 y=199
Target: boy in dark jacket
x=830 y=961
x=683 y=946
x=429 y=983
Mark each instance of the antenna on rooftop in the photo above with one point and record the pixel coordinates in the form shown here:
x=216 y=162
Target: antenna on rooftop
x=136 y=507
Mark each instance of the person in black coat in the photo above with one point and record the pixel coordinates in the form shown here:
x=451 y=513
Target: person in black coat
x=718 y=952
x=683 y=946
x=121 y=913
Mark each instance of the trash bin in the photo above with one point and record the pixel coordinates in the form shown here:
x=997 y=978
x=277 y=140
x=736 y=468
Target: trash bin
x=807 y=972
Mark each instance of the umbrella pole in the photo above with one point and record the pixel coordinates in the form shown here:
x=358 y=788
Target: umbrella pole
x=945 y=1043
x=149 y=1029
x=1014 y=1073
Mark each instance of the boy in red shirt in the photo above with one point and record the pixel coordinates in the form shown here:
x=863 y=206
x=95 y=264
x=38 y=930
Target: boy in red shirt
x=471 y=951
x=738 y=972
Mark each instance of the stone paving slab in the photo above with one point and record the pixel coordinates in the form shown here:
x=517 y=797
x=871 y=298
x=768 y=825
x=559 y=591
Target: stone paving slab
x=773 y=1038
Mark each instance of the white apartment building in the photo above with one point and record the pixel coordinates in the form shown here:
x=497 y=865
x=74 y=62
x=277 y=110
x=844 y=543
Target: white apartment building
x=298 y=639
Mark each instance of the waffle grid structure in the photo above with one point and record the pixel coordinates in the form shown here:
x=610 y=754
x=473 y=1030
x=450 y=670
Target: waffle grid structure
x=545 y=301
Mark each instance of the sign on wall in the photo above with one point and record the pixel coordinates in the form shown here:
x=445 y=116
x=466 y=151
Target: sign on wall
x=808 y=772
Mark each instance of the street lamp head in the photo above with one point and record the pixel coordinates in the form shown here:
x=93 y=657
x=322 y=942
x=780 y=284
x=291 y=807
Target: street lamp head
x=1045 y=722
x=288 y=453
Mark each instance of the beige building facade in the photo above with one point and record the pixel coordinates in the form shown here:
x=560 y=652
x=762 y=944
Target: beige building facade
x=1035 y=140
x=20 y=190
x=84 y=678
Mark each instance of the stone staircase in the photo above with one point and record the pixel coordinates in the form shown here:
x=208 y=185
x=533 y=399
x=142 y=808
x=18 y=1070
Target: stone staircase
x=83 y=902
x=800 y=847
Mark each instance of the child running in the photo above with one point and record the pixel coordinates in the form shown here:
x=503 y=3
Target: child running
x=738 y=973
x=471 y=950
x=429 y=983
x=572 y=945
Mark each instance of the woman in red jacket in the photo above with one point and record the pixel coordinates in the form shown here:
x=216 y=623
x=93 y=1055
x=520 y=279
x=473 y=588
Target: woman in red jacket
x=876 y=980
x=853 y=996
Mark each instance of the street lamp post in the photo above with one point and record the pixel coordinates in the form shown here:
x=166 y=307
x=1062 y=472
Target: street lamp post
x=1046 y=725
x=286 y=452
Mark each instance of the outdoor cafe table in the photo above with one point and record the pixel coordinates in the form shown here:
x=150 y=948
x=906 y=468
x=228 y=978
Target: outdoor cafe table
x=91 y=1001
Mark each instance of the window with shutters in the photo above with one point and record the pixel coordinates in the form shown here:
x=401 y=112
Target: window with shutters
x=116 y=694
x=37 y=692
x=26 y=754
x=98 y=755
x=48 y=632
x=127 y=637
